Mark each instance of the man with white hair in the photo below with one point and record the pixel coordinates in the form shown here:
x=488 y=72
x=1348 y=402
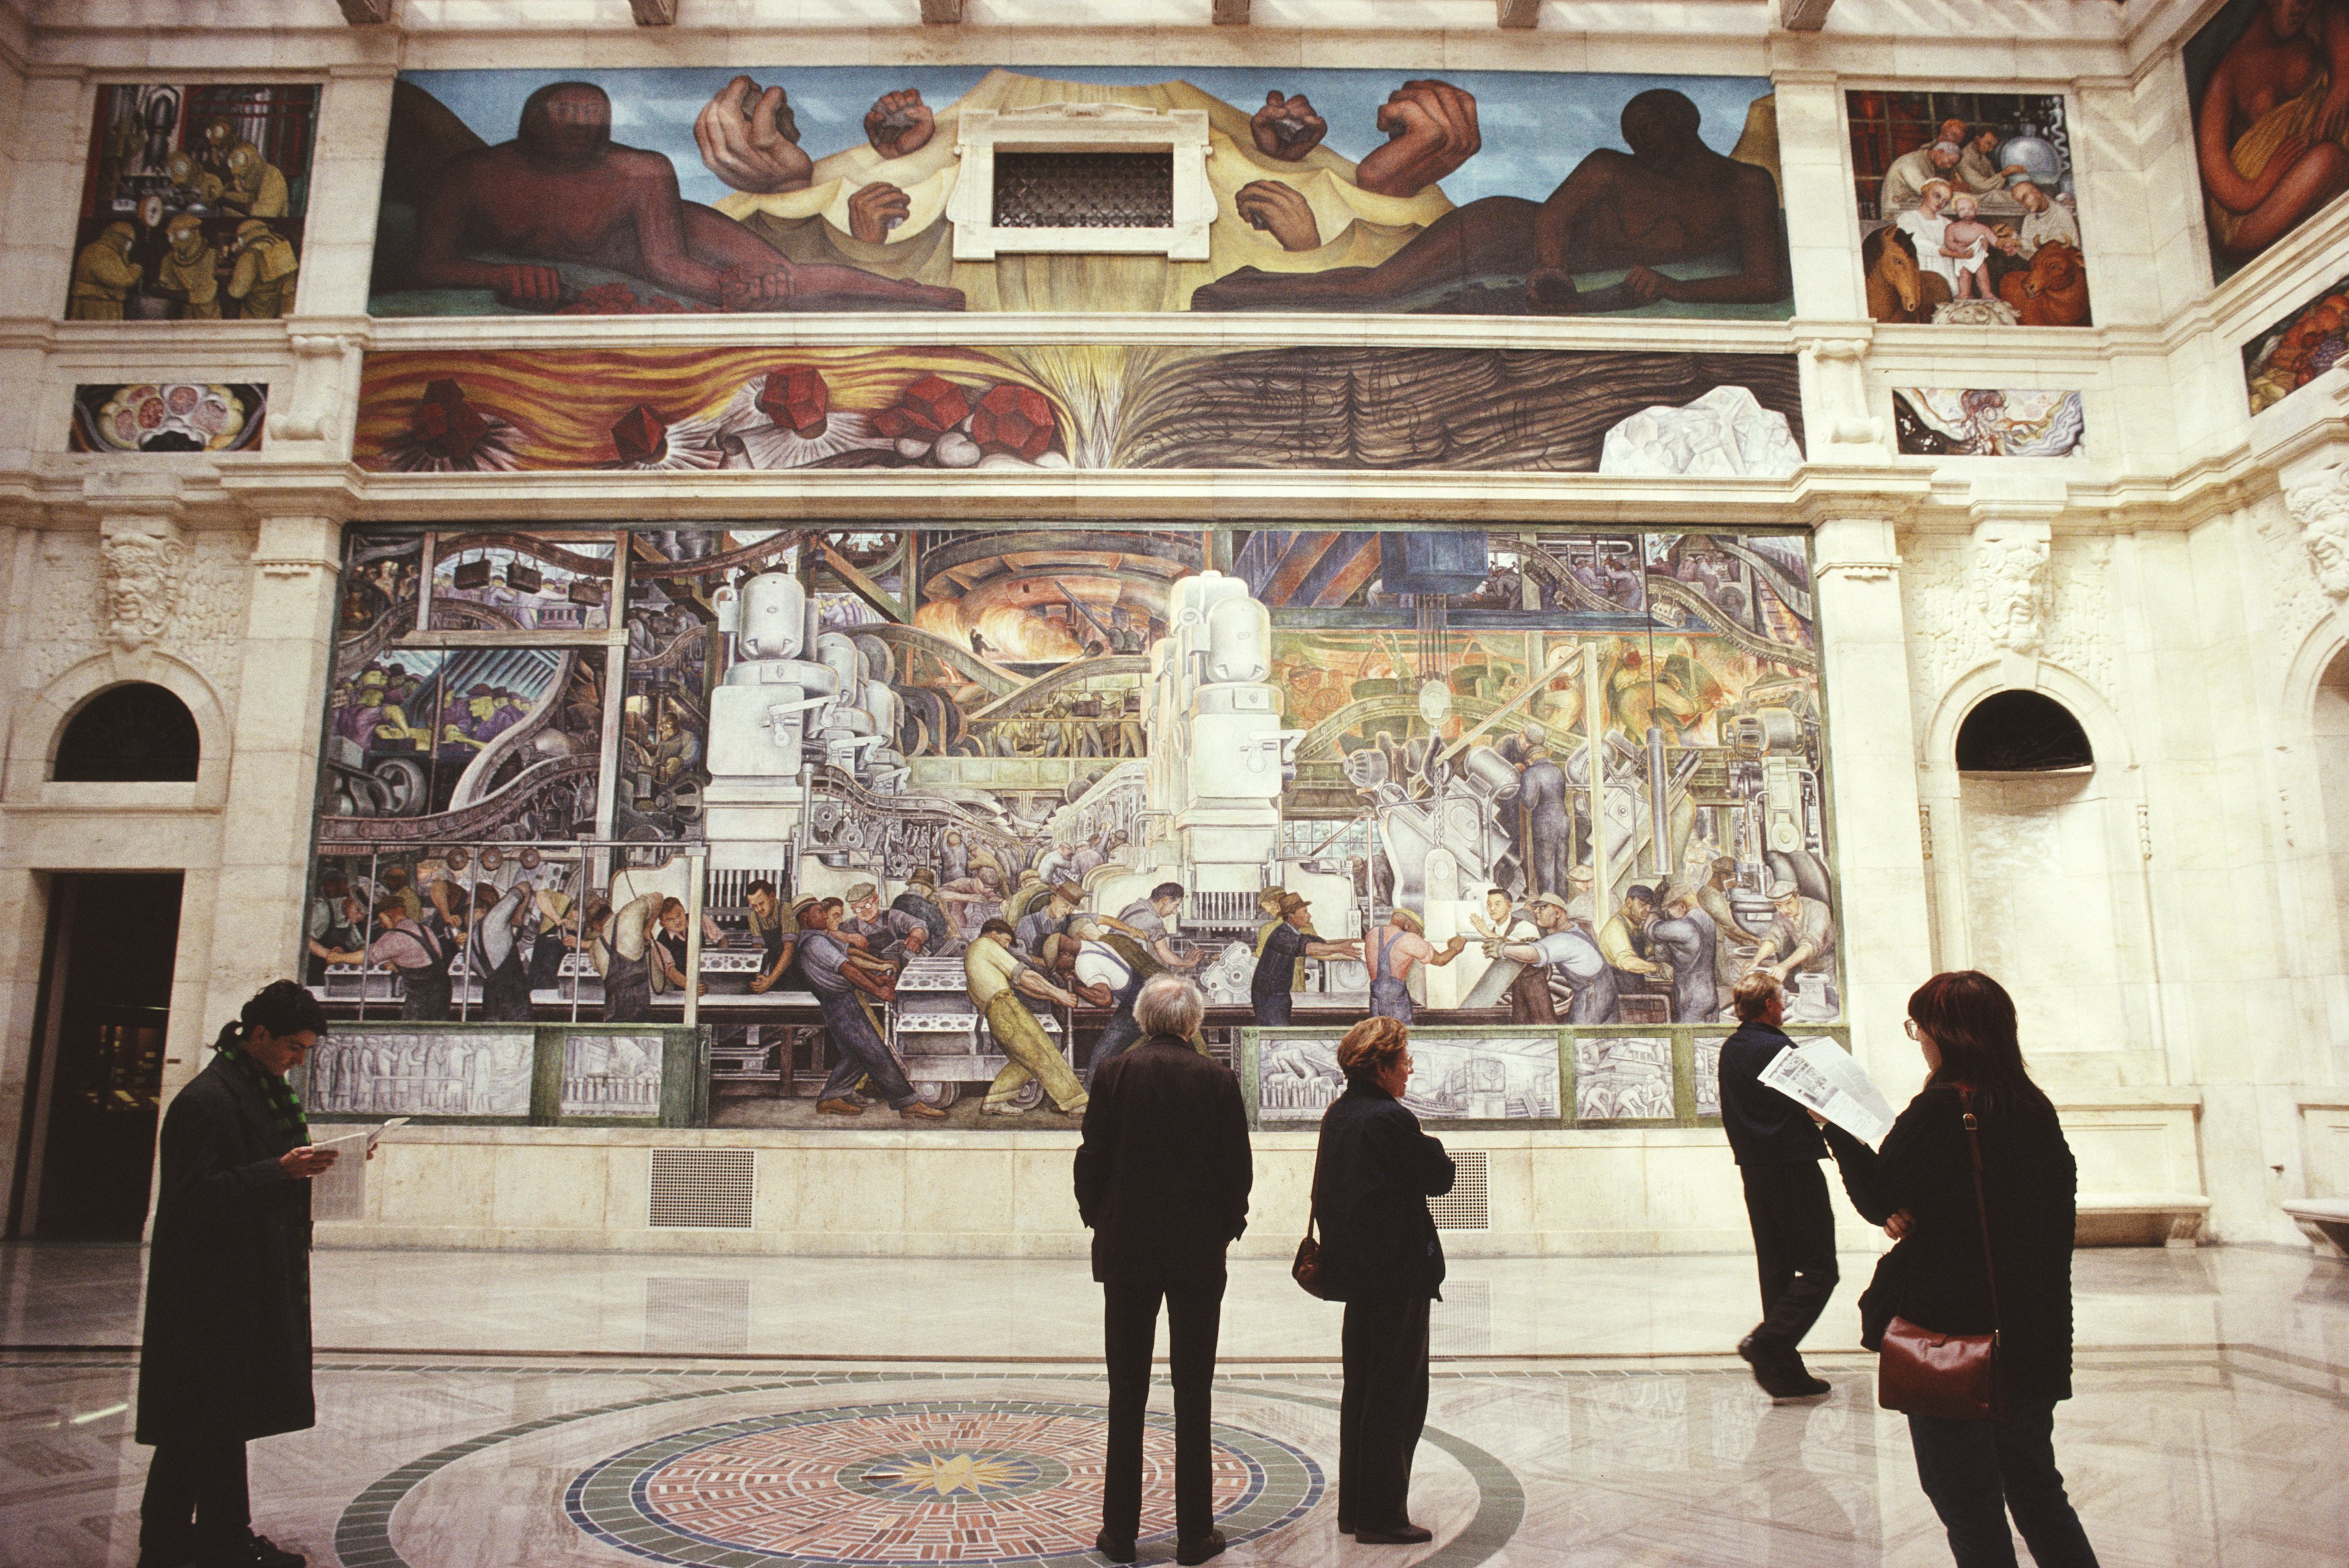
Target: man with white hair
x=1162 y=1179
x=1906 y=179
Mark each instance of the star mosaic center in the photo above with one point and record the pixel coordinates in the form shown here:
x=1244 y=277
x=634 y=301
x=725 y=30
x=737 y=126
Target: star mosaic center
x=924 y=1481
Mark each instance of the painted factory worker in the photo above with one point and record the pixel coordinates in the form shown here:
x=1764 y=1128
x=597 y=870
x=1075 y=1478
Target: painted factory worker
x=1277 y=959
x=1372 y=1175
x=842 y=976
x=888 y=933
x=1920 y=1185
x=777 y=930
x=920 y=900
x=994 y=976
x=1145 y=919
x=1391 y=951
x=621 y=957
x=1778 y=1152
x=1163 y=1177
x=416 y=953
x=1565 y=947
x=1107 y=975
x=225 y=1356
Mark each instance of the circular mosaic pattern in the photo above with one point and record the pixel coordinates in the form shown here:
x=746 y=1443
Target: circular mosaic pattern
x=931 y=1481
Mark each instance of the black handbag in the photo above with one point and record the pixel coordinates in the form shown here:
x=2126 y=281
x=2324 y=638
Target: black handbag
x=1921 y=1372
x=1307 y=1270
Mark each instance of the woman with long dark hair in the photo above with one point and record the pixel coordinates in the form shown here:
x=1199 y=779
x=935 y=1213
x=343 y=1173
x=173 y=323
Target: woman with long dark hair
x=225 y=1357
x=1921 y=1188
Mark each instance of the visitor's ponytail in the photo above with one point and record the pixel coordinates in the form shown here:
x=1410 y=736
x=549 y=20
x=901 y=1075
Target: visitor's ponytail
x=282 y=1007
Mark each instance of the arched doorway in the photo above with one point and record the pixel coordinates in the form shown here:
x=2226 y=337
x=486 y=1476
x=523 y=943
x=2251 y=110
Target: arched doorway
x=136 y=733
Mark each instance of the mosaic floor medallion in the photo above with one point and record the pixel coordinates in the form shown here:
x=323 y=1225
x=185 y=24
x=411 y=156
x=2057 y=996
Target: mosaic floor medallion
x=929 y=1481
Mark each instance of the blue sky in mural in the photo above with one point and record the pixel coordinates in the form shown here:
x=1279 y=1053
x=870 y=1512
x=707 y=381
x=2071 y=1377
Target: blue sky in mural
x=1535 y=125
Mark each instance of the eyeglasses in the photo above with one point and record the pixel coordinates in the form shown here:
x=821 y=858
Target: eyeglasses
x=1908 y=1027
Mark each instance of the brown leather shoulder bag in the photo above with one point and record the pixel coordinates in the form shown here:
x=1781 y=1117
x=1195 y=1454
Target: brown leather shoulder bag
x=1920 y=1372
x=1307 y=1270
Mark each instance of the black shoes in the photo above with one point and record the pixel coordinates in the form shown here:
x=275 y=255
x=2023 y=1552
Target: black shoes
x=267 y=1553
x=1780 y=1371
x=1115 y=1550
x=1190 y=1553
x=1403 y=1534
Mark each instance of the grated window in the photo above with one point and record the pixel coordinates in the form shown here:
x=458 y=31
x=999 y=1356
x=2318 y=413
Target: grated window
x=702 y=1188
x=1466 y=1207
x=1084 y=189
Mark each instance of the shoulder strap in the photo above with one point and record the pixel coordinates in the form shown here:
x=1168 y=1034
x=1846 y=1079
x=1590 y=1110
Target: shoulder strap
x=1981 y=1208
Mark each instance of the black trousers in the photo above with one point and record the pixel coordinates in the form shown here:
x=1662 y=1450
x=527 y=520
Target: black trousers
x=1130 y=1336
x=1794 y=1248
x=196 y=1502
x=1383 y=1410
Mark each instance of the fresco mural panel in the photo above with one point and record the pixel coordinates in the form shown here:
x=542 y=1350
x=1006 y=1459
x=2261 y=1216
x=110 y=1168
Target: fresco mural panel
x=1966 y=208
x=2298 y=349
x=193 y=202
x=960 y=790
x=830 y=188
x=2268 y=81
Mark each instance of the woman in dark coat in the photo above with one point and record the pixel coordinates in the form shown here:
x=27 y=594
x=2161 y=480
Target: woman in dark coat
x=225 y=1357
x=1921 y=1188
x=1372 y=1177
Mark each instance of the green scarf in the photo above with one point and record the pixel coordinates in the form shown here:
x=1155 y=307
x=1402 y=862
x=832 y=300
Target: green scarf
x=285 y=1105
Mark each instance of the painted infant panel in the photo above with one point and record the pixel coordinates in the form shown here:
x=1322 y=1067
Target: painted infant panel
x=2269 y=82
x=193 y=202
x=1966 y=208
x=1056 y=407
x=2298 y=349
x=168 y=417
x=1983 y=422
x=827 y=188
x=1458 y=1075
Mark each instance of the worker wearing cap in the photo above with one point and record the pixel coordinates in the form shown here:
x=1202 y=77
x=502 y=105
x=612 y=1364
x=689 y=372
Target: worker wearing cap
x=920 y=900
x=888 y=933
x=1569 y=949
x=1039 y=931
x=1801 y=937
x=1277 y=957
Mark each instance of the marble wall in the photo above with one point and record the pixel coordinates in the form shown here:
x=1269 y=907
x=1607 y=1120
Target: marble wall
x=2173 y=924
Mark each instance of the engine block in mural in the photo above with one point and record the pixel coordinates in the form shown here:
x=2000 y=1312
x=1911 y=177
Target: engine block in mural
x=906 y=815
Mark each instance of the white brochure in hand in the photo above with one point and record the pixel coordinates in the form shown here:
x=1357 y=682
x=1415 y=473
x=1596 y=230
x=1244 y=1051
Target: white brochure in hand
x=1820 y=1076
x=373 y=1136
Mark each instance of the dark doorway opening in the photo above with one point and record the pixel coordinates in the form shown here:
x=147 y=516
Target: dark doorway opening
x=87 y=1155
x=132 y=733
x=2021 y=732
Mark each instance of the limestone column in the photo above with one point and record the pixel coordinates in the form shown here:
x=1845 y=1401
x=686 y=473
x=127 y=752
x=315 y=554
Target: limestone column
x=1879 y=854
x=274 y=766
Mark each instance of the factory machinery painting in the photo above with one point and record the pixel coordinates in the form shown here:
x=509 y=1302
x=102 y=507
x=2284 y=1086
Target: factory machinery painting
x=902 y=818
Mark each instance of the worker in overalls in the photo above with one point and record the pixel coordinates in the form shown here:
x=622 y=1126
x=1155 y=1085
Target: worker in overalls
x=621 y=956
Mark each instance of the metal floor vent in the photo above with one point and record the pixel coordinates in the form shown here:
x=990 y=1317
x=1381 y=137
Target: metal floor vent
x=1466 y=1207
x=1462 y=1323
x=696 y=1315
x=702 y=1188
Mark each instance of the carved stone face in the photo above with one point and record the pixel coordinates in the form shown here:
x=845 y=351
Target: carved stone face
x=142 y=585
x=2323 y=513
x=2013 y=576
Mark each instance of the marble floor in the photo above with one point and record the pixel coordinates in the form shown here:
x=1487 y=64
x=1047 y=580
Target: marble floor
x=484 y=1410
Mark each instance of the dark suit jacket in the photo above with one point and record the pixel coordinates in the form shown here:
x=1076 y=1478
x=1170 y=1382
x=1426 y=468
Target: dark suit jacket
x=1372 y=1177
x=1163 y=1172
x=1764 y=1127
x=226 y=1352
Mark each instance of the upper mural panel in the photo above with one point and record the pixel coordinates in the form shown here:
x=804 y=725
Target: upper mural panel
x=1966 y=208
x=2269 y=84
x=192 y=203
x=956 y=188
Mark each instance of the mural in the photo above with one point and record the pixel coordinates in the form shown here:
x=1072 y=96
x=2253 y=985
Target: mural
x=1059 y=406
x=826 y=189
x=1966 y=208
x=1986 y=421
x=194 y=202
x=168 y=416
x=373 y=1073
x=1457 y=1075
x=2297 y=349
x=962 y=790
x=2268 y=81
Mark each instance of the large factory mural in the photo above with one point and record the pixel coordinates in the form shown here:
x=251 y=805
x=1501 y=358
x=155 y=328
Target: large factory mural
x=1062 y=406
x=194 y=202
x=936 y=188
x=1966 y=208
x=2268 y=81
x=953 y=795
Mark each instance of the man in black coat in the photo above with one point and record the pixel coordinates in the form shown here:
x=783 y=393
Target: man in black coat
x=225 y=1356
x=1779 y=1150
x=1163 y=1178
